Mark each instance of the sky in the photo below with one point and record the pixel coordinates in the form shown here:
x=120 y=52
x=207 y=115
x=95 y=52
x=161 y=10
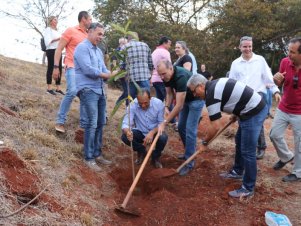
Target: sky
x=22 y=43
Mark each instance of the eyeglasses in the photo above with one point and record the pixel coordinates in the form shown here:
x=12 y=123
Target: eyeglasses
x=295 y=81
x=245 y=38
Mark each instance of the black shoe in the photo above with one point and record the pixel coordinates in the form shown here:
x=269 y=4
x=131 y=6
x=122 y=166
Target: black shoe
x=260 y=153
x=290 y=178
x=60 y=92
x=279 y=165
x=140 y=158
x=50 y=91
x=156 y=163
x=181 y=156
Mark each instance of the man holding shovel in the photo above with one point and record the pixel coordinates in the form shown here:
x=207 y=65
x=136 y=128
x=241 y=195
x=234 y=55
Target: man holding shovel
x=146 y=113
x=236 y=98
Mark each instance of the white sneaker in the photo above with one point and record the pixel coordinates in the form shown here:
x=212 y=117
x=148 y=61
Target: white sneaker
x=92 y=165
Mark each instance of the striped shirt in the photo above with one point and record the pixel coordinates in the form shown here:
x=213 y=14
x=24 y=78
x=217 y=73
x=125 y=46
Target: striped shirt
x=139 y=60
x=231 y=96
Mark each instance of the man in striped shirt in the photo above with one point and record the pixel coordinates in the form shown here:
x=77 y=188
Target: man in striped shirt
x=236 y=98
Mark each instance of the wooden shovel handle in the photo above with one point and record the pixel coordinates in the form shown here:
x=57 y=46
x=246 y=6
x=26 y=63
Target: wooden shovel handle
x=198 y=151
x=130 y=192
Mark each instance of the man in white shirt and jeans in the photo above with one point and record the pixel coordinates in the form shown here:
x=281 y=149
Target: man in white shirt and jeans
x=253 y=70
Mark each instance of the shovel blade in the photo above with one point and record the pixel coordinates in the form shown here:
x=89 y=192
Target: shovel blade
x=162 y=173
x=131 y=212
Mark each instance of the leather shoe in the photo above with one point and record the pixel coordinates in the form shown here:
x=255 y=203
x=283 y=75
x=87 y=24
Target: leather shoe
x=279 y=165
x=260 y=153
x=140 y=158
x=290 y=178
x=181 y=156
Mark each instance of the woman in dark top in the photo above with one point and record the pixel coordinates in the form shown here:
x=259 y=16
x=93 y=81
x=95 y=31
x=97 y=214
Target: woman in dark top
x=184 y=59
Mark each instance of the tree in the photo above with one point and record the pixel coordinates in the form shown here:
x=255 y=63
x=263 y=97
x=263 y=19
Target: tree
x=266 y=21
x=34 y=14
x=188 y=12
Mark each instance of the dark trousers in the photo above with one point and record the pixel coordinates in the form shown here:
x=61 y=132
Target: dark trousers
x=50 y=63
x=160 y=90
x=138 y=143
x=124 y=91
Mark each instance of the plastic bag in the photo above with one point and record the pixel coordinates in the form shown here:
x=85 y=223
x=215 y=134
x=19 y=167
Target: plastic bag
x=275 y=219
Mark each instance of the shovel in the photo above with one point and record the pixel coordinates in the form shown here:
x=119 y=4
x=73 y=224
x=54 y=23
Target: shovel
x=159 y=173
x=122 y=208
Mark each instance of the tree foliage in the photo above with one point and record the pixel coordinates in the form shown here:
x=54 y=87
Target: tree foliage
x=35 y=13
x=211 y=28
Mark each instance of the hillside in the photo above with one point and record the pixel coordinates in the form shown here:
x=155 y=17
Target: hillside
x=35 y=159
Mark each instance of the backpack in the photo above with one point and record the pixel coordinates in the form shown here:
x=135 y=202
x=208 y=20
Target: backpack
x=43 y=46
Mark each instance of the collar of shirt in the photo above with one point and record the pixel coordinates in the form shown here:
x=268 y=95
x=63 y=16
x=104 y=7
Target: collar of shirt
x=79 y=28
x=253 y=58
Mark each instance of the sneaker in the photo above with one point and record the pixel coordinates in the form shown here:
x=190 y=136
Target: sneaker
x=60 y=91
x=260 y=153
x=92 y=165
x=100 y=159
x=50 y=91
x=181 y=156
x=231 y=175
x=291 y=178
x=241 y=193
x=60 y=128
x=279 y=165
x=140 y=158
x=156 y=163
x=185 y=170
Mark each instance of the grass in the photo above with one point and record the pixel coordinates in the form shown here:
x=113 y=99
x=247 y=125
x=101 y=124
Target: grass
x=31 y=134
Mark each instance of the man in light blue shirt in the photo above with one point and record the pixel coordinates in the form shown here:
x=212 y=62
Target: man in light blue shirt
x=90 y=71
x=146 y=113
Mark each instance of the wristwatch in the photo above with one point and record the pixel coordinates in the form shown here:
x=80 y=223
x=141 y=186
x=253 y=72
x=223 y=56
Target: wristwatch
x=204 y=142
x=56 y=66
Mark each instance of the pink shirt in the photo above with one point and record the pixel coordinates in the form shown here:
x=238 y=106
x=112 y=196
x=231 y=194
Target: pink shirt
x=73 y=36
x=160 y=53
x=291 y=99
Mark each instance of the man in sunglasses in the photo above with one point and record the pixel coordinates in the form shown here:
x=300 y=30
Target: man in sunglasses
x=289 y=111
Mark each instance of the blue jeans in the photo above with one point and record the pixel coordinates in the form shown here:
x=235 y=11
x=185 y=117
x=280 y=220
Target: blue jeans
x=67 y=100
x=93 y=113
x=138 y=143
x=142 y=84
x=160 y=90
x=246 y=139
x=188 y=126
x=269 y=99
x=124 y=91
x=261 y=145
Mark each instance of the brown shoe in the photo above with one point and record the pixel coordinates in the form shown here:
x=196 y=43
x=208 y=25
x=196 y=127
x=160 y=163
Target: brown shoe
x=60 y=128
x=156 y=163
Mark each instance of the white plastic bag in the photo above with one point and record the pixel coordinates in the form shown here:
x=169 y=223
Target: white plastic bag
x=275 y=219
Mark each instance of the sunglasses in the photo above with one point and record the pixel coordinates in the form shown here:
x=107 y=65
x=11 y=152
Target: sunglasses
x=295 y=81
x=245 y=38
